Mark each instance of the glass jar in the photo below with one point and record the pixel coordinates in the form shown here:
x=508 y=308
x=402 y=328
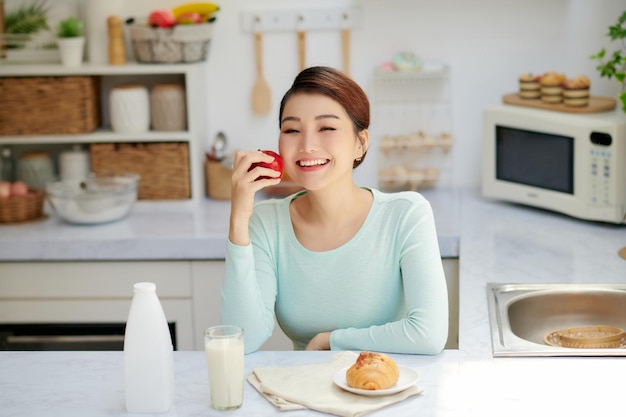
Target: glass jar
x=35 y=169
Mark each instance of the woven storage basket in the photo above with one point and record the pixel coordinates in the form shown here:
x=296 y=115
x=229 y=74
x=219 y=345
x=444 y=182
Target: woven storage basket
x=23 y=208
x=49 y=105
x=182 y=43
x=163 y=167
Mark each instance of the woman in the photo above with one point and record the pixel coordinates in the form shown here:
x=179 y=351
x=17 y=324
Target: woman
x=340 y=266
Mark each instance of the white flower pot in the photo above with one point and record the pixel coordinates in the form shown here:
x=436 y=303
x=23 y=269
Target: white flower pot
x=71 y=50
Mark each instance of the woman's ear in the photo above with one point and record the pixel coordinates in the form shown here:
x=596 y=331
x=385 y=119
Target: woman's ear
x=364 y=140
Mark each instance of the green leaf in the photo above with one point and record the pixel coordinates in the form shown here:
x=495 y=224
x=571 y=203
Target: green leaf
x=27 y=19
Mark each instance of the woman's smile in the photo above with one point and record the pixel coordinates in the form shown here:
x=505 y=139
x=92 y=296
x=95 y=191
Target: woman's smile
x=312 y=163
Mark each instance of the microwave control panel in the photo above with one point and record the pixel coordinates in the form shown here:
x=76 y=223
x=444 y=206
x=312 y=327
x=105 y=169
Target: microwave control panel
x=601 y=169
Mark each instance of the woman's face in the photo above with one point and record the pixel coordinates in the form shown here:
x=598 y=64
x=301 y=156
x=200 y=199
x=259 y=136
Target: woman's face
x=317 y=141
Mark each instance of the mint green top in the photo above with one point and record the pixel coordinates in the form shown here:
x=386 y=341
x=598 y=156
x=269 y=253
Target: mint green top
x=384 y=290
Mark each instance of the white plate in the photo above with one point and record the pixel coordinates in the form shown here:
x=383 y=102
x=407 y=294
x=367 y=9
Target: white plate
x=408 y=377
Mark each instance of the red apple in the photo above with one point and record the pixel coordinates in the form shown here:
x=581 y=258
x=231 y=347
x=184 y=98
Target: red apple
x=162 y=18
x=18 y=189
x=189 y=18
x=5 y=189
x=276 y=165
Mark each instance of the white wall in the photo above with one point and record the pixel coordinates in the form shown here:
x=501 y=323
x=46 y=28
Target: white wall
x=487 y=43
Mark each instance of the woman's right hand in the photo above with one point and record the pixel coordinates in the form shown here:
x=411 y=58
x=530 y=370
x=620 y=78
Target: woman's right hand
x=244 y=185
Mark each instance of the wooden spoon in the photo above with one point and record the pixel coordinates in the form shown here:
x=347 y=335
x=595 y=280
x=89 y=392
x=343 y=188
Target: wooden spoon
x=301 y=49
x=345 y=50
x=261 y=96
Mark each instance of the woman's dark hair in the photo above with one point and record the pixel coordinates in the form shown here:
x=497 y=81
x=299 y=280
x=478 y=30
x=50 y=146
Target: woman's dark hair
x=337 y=86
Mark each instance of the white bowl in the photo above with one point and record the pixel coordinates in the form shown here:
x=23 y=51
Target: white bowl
x=97 y=199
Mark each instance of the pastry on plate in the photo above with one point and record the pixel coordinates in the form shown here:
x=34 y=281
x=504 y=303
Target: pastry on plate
x=373 y=371
x=576 y=91
x=552 y=87
x=529 y=87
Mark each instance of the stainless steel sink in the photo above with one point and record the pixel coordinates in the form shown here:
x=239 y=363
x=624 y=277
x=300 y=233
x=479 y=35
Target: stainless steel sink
x=521 y=315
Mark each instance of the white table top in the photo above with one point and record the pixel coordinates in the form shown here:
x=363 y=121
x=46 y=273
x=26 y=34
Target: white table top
x=90 y=384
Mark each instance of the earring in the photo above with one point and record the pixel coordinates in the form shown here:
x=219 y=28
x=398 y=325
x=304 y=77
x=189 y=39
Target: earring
x=358 y=159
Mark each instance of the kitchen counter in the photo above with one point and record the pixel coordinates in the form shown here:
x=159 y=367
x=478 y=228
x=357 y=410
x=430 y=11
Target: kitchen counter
x=496 y=242
x=91 y=384
x=164 y=230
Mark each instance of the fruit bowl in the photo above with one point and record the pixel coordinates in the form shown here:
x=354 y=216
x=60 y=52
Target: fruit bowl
x=95 y=200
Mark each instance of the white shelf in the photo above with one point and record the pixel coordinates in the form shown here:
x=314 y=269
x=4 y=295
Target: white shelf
x=194 y=76
x=30 y=70
x=99 y=136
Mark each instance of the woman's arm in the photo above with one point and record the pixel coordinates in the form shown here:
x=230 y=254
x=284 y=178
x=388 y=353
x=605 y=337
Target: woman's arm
x=248 y=295
x=249 y=288
x=424 y=330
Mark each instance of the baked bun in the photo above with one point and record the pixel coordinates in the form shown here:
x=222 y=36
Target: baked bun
x=577 y=82
x=552 y=79
x=373 y=371
x=529 y=86
x=552 y=87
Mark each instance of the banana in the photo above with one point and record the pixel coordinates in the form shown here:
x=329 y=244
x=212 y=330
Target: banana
x=204 y=9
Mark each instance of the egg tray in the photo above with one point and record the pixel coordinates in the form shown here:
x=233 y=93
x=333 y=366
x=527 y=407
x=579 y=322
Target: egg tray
x=23 y=208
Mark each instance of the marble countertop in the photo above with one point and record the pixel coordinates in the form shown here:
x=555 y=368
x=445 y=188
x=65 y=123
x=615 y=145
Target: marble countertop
x=90 y=384
x=165 y=230
x=496 y=242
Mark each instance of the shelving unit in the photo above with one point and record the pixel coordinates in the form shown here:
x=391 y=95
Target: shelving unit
x=412 y=111
x=191 y=75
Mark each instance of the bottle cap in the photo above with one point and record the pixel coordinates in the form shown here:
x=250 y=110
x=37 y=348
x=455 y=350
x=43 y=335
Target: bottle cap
x=144 y=287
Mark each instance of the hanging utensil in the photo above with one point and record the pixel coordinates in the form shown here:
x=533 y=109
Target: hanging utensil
x=219 y=146
x=301 y=45
x=261 y=97
x=345 y=44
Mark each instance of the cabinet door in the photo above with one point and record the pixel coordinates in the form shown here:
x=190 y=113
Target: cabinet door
x=94 y=292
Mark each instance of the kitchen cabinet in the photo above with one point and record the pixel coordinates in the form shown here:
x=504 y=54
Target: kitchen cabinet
x=101 y=292
x=193 y=76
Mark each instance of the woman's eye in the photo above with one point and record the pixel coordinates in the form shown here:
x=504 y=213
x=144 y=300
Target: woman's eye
x=327 y=128
x=290 y=131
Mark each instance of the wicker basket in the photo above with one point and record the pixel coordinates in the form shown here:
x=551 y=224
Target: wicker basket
x=49 y=105
x=182 y=43
x=23 y=208
x=163 y=167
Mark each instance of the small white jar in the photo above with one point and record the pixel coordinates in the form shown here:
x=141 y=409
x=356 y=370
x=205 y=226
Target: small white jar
x=168 y=108
x=129 y=109
x=74 y=164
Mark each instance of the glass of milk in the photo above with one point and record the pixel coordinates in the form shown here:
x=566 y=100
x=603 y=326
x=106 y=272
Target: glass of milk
x=224 y=354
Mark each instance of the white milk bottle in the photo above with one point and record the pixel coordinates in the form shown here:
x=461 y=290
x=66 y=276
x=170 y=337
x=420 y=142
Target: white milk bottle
x=148 y=354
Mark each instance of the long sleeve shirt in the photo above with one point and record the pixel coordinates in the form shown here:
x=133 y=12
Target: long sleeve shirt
x=383 y=290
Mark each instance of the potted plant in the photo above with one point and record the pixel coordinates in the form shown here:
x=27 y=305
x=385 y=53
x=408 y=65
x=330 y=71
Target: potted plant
x=71 y=41
x=615 y=64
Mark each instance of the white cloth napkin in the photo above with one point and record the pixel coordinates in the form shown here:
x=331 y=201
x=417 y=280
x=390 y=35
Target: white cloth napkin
x=312 y=387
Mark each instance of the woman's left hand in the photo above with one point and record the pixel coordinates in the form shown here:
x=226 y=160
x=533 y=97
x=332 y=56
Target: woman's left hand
x=321 y=341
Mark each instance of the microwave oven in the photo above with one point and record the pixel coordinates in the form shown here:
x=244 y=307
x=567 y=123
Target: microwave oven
x=572 y=163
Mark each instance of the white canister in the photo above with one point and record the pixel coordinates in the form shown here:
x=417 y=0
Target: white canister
x=129 y=109
x=74 y=164
x=96 y=14
x=167 y=105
